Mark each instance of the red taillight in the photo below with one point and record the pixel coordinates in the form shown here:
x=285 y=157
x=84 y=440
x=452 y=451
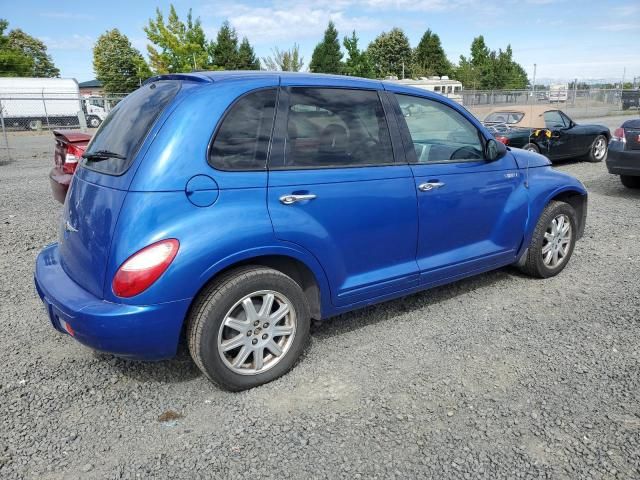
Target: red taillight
x=618 y=134
x=143 y=268
x=74 y=153
x=502 y=139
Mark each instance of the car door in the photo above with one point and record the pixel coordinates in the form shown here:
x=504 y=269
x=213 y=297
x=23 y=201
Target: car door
x=471 y=211
x=562 y=141
x=336 y=190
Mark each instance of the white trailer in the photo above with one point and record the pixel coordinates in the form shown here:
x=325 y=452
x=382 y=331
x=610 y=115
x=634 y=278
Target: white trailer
x=443 y=85
x=30 y=102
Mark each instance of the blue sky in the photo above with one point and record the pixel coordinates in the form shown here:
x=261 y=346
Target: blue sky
x=584 y=39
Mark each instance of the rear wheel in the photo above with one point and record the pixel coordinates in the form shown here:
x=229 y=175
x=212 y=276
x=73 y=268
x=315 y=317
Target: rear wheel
x=531 y=147
x=553 y=241
x=629 y=181
x=249 y=327
x=599 y=149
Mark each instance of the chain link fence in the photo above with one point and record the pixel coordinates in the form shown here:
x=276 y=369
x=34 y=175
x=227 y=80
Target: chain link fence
x=25 y=113
x=21 y=113
x=594 y=102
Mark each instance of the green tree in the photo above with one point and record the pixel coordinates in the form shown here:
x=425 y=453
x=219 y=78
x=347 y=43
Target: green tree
x=119 y=66
x=487 y=69
x=284 y=60
x=327 y=57
x=429 y=57
x=177 y=46
x=225 y=48
x=390 y=54
x=358 y=63
x=22 y=55
x=247 y=59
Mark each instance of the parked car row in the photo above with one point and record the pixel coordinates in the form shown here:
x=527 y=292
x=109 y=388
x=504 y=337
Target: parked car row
x=238 y=206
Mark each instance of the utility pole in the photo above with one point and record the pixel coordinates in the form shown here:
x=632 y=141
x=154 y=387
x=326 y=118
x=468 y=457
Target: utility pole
x=575 y=90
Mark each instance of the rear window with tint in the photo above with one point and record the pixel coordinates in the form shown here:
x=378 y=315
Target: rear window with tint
x=127 y=125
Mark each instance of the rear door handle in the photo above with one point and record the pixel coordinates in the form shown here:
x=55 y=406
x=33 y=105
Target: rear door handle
x=292 y=198
x=427 y=186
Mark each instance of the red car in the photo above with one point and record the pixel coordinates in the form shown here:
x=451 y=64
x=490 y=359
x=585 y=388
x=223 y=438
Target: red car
x=70 y=145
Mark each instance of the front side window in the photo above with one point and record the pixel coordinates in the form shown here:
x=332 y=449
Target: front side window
x=553 y=119
x=242 y=141
x=439 y=133
x=330 y=127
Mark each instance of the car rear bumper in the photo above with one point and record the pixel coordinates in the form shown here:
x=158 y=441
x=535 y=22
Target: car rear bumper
x=142 y=332
x=59 y=183
x=623 y=162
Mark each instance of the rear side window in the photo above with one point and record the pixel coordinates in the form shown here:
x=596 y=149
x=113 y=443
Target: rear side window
x=242 y=141
x=126 y=127
x=329 y=127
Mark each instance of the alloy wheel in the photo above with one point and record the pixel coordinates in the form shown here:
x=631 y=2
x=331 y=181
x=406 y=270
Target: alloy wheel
x=257 y=332
x=599 y=148
x=557 y=241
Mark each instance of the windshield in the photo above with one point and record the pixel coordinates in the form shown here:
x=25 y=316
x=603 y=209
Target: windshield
x=123 y=131
x=510 y=118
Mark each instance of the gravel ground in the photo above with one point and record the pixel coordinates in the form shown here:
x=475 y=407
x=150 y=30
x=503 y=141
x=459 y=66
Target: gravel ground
x=498 y=376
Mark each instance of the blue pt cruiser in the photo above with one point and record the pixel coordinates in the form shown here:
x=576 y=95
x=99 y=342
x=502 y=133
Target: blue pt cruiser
x=234 y=207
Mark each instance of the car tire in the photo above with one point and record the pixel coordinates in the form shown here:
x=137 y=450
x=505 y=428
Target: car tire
x=94 y=122
x=231 y=312
x=598 y=150
x=630 y=181
x=531 y=147
x=548 y=239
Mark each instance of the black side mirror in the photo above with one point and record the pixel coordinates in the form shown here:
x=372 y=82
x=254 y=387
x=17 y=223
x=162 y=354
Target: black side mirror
x=495 y=150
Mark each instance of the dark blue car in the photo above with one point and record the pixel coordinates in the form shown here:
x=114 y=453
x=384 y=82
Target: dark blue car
x=235 y=207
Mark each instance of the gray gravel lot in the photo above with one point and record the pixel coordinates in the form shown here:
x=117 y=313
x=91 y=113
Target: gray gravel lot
x=498 y=376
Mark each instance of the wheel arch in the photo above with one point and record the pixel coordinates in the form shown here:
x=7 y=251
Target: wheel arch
x=304 y=270
x=578 y=200
x=573 y=195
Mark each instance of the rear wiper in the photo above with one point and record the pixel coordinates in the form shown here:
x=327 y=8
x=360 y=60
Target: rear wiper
x=103 y=155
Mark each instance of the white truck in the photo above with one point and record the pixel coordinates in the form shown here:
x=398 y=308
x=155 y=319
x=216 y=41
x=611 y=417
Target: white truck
x=558 y=92
x=45 y=102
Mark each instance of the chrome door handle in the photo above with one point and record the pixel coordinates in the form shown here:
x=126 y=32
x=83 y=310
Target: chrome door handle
x=291 y=198
x=427 y=186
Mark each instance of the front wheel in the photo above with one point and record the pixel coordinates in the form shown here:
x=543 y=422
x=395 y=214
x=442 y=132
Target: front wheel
x=629 y=181
x=553 y=241
x=249 y=327
x=599 y=149
x=531 y=147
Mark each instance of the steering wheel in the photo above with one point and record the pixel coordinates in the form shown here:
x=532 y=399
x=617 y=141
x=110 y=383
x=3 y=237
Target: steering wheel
x=466 y=148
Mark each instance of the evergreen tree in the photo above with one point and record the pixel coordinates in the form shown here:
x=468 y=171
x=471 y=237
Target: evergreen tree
x=429 y=56
x=119 y=66
x=487 y=69
x=247 y=59
x=225 y=49
x=391 y=54
x=358 y=63
x=327 y=57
